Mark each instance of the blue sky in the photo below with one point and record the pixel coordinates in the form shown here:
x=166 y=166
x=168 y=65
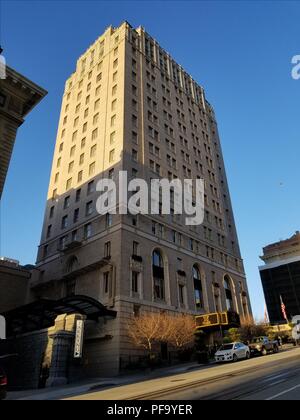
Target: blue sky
x=239 y=51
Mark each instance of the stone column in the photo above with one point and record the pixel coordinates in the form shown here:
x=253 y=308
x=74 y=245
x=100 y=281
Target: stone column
x=63 y=344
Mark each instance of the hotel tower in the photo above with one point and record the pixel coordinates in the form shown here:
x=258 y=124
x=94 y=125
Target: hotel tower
x=129 y=106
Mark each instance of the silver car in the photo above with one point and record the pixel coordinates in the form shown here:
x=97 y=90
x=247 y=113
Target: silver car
x=232 y=353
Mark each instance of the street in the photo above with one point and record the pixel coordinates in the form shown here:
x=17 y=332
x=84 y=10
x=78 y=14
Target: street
x=273 y=377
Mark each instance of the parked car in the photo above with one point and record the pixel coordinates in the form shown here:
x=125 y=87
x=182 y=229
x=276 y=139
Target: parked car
x=232 y=352
x=3 y=384
x=262 y=346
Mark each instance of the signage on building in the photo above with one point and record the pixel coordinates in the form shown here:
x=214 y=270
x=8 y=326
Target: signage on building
x=79 y=339
x=208 y=320
x=217 y=319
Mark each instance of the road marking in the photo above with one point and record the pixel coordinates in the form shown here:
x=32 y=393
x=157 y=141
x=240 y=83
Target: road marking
x=283 y=393
x=271 y=378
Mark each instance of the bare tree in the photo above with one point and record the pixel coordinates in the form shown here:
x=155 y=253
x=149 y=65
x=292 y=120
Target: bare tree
x=181 y=331
x=145 y=330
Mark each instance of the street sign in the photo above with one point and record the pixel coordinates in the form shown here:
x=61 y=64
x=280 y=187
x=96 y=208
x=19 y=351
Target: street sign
x=79 y=339
x=2 y=328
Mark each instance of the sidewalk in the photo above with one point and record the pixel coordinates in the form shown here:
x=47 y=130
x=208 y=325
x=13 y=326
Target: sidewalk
x=97 y=384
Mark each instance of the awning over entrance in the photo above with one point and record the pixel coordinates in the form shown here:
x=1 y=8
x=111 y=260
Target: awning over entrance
x=42 y=313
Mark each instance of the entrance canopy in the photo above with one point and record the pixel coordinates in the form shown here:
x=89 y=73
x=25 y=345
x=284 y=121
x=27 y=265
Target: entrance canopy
x=42 y=313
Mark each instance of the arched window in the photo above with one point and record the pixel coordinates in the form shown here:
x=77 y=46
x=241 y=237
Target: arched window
x=198 y=292
x=228 y=294
x=158 y=275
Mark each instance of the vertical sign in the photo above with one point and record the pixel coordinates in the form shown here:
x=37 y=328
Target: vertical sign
x=78 y=339
x=2 y=328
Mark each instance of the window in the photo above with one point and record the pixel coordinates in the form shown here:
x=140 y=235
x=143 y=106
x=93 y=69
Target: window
x=91 y=187
x=111 y=174
x=92 y=168
x=134 y=90
x=78 y=194
x=97 y=91
x=95 y=134
x=83 y=142
x=109 y=220
x=74 y=235
x=181 y=294
x=76 y=216
x=67 y=203
x=134 y=137
x=115 y=75
x=49 y=230
x=158 y=275
x=134 y=155
x=63 y=242
x=81 y=159
x=134 y=120
x=114 y=90
x=88 y=231
x=64 y=222
x=113 y=120
x=99 y=77
x=54 y=194
x=51 y=214
x=112 y=137
x=135 y=282
x=84 y=128
x=112 y=155
x=115 y=63
x=96 y=118
x=93 y=151
x=198 y=292
x=79 y=176
x=61 y=147
x=72 y=151
x=135 y=248
x=114 y=105
x=107 y=250
x=106 y=282
x=89 y=208
x=136 y=311
x=97 y=104
x=46 y=250
x=228 y=293
x=58 y=162
x=56 y=178
x=71 y=167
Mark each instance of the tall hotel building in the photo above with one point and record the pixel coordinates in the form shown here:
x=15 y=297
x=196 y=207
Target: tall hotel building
x=129 y=106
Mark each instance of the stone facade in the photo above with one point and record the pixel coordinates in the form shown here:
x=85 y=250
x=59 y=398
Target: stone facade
x=129 y=106
x=14 y=284
x=18 y=96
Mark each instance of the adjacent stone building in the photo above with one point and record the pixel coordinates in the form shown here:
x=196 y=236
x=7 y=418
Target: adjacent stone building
x=129 y=106
x=281 y=278
x=18 y=96
x=14 y=284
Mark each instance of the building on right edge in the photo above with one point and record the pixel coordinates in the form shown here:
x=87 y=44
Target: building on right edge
x=280 y=278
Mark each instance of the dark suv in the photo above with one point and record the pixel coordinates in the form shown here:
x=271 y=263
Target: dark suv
x=3 y=384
